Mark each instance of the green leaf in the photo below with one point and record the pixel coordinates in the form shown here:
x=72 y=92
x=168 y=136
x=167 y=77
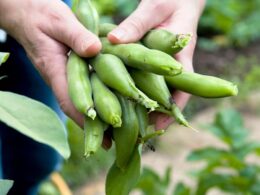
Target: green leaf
x=150 y=183
x=216 y=158
x=244 y=150
x=225 y=182
x=3 y=57
x=228 y=126
x=34 y=120
x=181 y=189
x=208 y=153
x=5 y=186
x=167 y=176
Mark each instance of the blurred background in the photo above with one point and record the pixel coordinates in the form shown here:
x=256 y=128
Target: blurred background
x=222 y=158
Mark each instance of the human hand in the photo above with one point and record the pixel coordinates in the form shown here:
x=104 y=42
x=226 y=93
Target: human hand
x=173 y=15
x=47 y=29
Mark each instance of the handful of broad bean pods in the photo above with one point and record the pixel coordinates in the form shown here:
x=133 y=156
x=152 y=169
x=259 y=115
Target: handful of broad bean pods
x=125 y=83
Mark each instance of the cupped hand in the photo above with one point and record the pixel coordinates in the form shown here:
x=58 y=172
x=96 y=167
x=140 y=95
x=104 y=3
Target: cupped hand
x=47 y=29
x=173 y=15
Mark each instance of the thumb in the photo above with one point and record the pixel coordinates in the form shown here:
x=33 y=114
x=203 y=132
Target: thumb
x=147 y=15
x=65 y=28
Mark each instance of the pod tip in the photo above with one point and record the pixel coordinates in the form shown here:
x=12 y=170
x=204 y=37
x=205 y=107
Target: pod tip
x=91 y=113
x=116 y=121
x=234 y=90
x=173 y=71
x=182 y=40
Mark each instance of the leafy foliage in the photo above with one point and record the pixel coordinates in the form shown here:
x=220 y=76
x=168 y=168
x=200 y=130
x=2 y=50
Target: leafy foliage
x=150 y=183
x=237 y=20
x=239 y=176
x=225 y=169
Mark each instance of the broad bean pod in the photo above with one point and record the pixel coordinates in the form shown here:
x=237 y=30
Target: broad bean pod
x=111 y=71
x=202 y=85
x=140 y=57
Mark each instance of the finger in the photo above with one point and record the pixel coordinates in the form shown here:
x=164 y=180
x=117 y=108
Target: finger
x=51 y=62
x=160 y=120
x=163 y=121
x=148 y=15
x=60 y=88
x=64 y=27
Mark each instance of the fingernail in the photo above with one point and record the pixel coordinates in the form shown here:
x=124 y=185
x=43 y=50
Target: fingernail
x=118 y=34
x=91 y=48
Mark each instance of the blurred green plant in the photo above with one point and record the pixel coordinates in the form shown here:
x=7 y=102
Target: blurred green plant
x=78 y=170
x=150 y=183
x=235 y=20
x=246 y=74
x=226 y=169
x=115 y=10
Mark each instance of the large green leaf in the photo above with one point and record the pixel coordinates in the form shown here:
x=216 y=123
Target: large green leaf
x=34 y=120
x=3 y=57
x=5 y=186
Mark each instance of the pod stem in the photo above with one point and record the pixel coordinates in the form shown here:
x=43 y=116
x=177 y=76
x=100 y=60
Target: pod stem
x=177 y=114
x=152 y=135
x=163 y=110
x=91 y=113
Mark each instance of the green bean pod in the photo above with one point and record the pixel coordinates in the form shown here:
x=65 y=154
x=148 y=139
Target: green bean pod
x=79 y=85
x=105 y=28
x=106 y=102
x=138 y=56
x=122 y=182
x=86 y=14
x=202 y=85
x=166 y=41
x=111 y=71
x=94 y=131
x=126 y=136
x=77 y=70
x=155 y=87
x=143 y=119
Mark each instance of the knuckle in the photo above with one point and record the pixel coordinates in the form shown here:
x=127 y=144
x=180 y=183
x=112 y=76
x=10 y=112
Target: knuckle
x=160 y=6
